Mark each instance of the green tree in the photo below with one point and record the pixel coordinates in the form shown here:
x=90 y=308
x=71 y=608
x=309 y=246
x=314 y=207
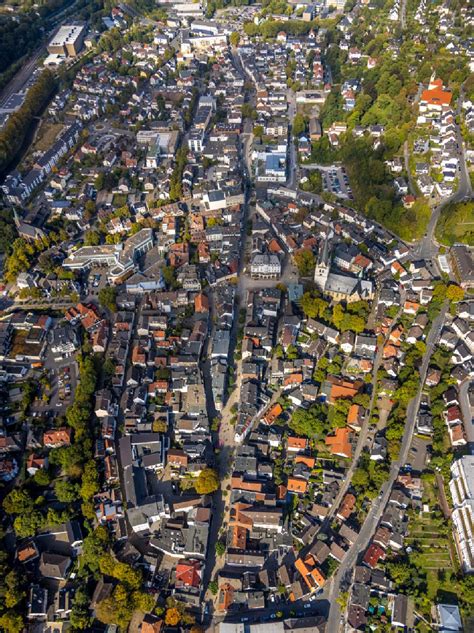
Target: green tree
x=108 y=298
x=15 y=592
x=11 y=622
x=18 y=501
x=313 y=305
x=92 y=238
x=80 y=614
x=220 y=548
x=299 y=124
x=234 y=38
x=248 y=112
x=360 y=478
x=66 y=491
x=309 y=422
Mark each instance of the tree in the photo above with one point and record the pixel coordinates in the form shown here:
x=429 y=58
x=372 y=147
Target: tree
x=11 y=622
x=313 y=305
x=207 y=482
x=107 y=298
x=14 y=593
x=360 y=478
x=213 y=587
x=220 y=548
x=92 y=238
x=66 y=491
x=248 y=112
x=305 y=262
x=337 y=315
x=299 y=124
x=172 y=617
x=27 y=524
x=309 y=422
x=234 y=38
x=90 y=481
x=454 y=293
x=18 y=501
x=80 y=613
x=314 y=182
x=169 y=276
x=94 y=547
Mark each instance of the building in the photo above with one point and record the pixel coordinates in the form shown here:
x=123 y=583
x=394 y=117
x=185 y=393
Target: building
x=68 y=40
x=449 y=618
x=339 y=287
x=463 y=265
x=265 y=266
x=435 y=100
x=462 y=491
x=121 y=259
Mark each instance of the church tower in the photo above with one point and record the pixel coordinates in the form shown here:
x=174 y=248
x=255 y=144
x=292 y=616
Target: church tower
x=321 y=272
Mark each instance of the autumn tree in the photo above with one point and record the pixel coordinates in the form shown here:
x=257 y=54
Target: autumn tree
x=172 y=617
x=207 y=481
x=305 y=262
x=454 y=293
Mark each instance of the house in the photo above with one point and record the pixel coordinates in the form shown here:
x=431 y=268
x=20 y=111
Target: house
x=347 y=507
x=372 y=555
x=296 y=444
x=37 y=603
x=339 y=443
x=355 y=417
x=188 y=574
x=449 y=618
x=298 y=485
x=54 y=566
x=57 y=437
x=402 y=612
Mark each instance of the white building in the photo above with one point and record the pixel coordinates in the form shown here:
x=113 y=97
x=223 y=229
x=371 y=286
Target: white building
x=120 y=258
x=462 y=491
x=265 y=266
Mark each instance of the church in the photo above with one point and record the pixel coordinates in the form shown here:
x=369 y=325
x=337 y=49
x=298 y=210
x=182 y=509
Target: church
x=339 y=286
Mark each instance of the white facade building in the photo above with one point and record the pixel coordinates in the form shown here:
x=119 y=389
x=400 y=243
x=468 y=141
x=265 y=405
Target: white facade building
x=462 y=491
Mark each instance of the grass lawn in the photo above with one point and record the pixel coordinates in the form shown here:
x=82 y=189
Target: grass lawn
x=119 y=200
x=46 y=136
x=456 y=223
x=438 y=555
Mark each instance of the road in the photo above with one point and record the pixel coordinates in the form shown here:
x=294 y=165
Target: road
x=370 y=524
x=411 y=182
x=292 y=159
x=225 y=437
x=403 y=14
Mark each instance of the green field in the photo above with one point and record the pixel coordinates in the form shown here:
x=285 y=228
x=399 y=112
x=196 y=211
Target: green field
x=456 y=224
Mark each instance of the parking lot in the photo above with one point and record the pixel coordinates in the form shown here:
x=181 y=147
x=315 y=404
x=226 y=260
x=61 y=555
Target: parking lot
x=57 y=385
x=336 y=181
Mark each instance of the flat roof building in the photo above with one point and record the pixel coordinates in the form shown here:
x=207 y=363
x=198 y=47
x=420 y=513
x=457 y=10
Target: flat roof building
x=462 y=491
x=68 y=40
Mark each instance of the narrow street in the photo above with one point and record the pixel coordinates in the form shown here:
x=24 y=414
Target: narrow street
x=225 y=435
